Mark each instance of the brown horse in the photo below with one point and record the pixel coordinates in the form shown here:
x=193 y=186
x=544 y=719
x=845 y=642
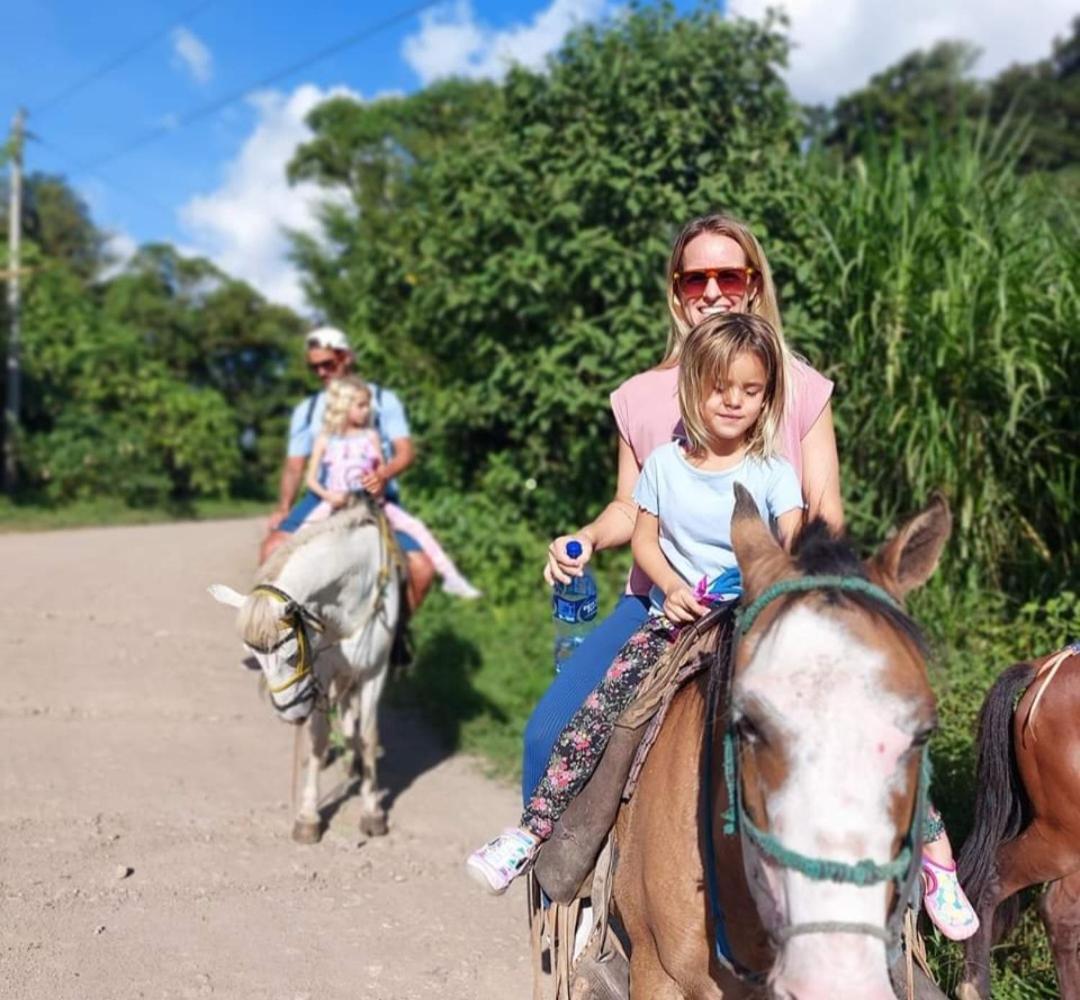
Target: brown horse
x=1027 y=815
x=831 y=708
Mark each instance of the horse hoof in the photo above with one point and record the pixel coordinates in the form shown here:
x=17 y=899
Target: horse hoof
x=306 y=832
x=374 y=825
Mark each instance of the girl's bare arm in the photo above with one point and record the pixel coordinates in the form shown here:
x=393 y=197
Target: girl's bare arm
x=313 y=483
x=680 y=604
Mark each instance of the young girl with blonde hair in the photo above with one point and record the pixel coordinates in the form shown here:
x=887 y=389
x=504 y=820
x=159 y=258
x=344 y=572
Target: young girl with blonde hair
x=731 y=390
x=347 y=449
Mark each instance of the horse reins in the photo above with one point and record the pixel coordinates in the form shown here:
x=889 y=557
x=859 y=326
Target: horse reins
x=902 y=870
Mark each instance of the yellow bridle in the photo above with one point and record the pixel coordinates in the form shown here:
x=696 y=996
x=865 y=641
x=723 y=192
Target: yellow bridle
x=295 y=621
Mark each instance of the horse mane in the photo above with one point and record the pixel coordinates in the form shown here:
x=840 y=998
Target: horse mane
x=260 y=614
x=821 y=551
x=258 y=619
x=340 y=523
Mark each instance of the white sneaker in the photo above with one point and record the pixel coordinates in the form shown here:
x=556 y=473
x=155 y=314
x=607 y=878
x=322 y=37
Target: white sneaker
x=500 y=861
x=460 y=587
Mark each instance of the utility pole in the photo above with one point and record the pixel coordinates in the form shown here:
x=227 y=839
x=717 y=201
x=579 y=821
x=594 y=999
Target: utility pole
x=12 y=398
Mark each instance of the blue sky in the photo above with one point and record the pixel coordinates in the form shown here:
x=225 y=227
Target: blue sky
x=215 y=187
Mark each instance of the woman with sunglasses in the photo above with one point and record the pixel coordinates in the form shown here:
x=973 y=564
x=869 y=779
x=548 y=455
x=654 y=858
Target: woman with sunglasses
x=716 y=266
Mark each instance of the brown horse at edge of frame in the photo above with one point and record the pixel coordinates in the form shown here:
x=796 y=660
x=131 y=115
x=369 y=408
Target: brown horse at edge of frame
x=1027 y=815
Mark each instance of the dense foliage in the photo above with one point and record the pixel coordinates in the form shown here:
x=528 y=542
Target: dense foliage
x=164 y=382
x=503 y=264
x=951 y=323
x=929 y=95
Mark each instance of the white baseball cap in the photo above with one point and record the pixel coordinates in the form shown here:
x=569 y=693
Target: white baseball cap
x=329 y=338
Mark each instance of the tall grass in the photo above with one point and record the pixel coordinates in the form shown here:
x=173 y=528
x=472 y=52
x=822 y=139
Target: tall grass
x=947 y=307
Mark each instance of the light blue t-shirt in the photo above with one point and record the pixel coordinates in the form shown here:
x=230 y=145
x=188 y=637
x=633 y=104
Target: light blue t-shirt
x=307 y=417
x=695 y=507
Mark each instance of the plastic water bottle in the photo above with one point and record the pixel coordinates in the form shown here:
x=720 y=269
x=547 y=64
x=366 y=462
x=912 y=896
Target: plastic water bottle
x=573 y=607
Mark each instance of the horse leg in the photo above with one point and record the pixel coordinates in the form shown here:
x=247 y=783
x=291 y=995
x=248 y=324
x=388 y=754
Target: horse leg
x=350 y=730
x=372 y=813
x=1031 y=859
x=312 y=739
x=648 y=979
x=1060 y=912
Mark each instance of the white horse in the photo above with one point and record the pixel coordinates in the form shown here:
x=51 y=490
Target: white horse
x=320 y=622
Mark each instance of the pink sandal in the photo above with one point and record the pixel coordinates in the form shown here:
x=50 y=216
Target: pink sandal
x=947 y=905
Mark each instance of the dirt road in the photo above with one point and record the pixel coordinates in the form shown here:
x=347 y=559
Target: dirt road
x=144 y=826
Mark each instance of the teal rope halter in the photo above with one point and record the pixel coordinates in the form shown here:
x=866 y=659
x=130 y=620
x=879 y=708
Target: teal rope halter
x=902 y=870
x=801 y=584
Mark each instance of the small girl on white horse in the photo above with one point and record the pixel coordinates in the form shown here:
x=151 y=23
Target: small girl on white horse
x=731 y=396
x=348 y=449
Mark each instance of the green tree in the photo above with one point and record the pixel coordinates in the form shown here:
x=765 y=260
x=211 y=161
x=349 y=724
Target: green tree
x=168 y=381
x=57 y=221
x=214 y=332
x=376 y=152
x=922 y=99
x=1044 y=97
x=105 y=418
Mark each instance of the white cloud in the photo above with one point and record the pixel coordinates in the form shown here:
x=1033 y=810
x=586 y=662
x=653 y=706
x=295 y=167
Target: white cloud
x=451 y=42
x=241 y=225
x=190 y=52
x=840 y=44
x=120 y=247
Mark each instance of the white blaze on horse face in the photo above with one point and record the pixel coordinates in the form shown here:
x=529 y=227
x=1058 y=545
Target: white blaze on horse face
x=843 y=732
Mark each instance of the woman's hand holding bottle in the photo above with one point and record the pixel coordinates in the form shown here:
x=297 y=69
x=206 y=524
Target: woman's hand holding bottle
x=561 y=566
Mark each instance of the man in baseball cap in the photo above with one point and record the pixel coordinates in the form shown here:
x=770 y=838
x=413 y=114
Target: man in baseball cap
x=328 y=357
x=328 y=338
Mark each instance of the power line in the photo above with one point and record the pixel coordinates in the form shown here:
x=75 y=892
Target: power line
x=143 y=199
x=118 y=60
x=204 y=110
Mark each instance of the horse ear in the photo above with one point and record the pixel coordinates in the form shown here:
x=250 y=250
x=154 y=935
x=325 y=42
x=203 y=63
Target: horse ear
x=762 y=559
x=225 y=595
x=908 y=559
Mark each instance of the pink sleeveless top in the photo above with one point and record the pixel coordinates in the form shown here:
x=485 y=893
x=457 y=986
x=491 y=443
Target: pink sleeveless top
x=646 y=409
x=347 y=458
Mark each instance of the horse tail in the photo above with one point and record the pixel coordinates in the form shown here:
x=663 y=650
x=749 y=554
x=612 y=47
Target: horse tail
x=1000 y=802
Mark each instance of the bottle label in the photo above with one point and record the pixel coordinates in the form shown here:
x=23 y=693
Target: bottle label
x=574 y=612
x=565 y=611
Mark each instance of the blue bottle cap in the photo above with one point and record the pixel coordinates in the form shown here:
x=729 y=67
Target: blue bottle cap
x=573 y=548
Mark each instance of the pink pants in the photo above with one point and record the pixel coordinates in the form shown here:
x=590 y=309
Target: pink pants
x=453 y=579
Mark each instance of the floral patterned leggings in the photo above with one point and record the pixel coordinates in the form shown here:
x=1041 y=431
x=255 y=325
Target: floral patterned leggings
x=581 y=744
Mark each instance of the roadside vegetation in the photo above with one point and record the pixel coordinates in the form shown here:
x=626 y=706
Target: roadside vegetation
x=501 y=263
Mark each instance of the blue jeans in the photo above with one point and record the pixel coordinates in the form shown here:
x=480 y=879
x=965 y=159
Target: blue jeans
x=309 y=501
x=582 y=672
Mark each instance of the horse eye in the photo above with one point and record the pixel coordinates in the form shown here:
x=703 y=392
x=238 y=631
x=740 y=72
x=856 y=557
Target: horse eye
x=748 y=730
x=922 y=736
